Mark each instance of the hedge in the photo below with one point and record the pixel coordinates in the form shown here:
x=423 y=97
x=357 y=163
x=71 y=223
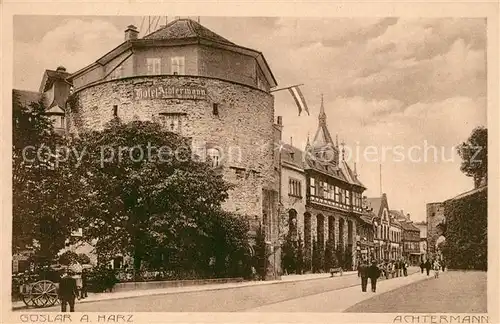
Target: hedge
x=467 y=232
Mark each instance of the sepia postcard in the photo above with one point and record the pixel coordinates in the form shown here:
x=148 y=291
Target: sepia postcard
x=250 y=162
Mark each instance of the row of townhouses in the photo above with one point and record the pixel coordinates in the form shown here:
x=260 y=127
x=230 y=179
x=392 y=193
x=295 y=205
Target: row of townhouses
x=207 y=88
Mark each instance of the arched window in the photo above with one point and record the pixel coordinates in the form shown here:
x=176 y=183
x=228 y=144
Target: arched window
x=215 y=157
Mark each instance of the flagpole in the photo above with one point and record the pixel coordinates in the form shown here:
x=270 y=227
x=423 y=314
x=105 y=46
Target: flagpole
x=380 y=165
x=296 y=85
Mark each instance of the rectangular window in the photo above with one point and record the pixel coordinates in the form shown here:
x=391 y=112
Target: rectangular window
x=325 y=190
x=154 y=66
x=294 y=187
x=347 y=197
x=312 y=187
x=172 y=122
x=58 y=121
x=337 y=194
x=177 y=65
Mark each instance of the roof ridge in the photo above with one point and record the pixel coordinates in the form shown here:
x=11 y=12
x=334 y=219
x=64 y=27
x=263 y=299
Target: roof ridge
x=162 y=28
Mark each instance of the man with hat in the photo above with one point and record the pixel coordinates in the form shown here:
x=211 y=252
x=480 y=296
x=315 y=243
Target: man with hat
x=363 y=273
x=67 y=291
x=373 y=274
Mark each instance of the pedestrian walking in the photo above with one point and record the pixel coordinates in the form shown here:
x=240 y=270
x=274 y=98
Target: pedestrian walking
x=437 y=267
x=363 y=273
x=373 y=273
x=83 y=291
x=396 y=266
x=422 y=266
x=67 y=291
x=443 y=266
x=405 y=268
x=428 y=266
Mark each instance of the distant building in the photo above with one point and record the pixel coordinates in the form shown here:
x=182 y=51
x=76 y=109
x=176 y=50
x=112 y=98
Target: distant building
x=422 y=226
x=321 y=194
x=388 y=235
x=365 y=238
x=411 y=237
x=436 y=225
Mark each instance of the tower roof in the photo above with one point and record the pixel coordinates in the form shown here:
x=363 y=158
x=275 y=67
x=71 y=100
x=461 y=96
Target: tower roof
x=186 y=28
x=322 y=136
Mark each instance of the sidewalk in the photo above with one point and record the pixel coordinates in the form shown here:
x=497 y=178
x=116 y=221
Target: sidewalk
x=341 y=299
x=94 y=297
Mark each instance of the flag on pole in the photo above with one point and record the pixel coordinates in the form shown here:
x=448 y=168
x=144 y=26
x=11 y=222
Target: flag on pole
x=299 y=99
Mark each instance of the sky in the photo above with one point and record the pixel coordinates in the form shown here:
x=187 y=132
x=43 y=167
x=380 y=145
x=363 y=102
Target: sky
x=393 y=88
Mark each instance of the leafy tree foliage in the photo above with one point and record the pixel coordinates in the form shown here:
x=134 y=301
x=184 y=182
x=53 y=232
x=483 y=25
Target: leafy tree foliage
x=330 y=257
x=300 y=263
x=474 y=154
x=148 y=195
x=83 y=258
x=466 y=245
x=43 y=195
x=289 y=255
x=347 y=259
x=316 y=259
x=261 y=253
x=68 y=258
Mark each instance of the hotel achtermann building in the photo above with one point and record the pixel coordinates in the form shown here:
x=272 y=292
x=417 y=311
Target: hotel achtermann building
x=195 y=83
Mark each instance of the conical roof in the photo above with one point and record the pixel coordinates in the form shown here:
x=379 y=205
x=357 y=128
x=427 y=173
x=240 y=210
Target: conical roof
x=186 y=28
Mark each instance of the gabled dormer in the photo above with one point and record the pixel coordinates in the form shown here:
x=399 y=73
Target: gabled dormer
x=55 y=90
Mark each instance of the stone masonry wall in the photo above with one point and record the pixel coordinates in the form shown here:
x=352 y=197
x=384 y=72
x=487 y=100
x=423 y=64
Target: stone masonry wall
x=242 y=130
x=435 y=215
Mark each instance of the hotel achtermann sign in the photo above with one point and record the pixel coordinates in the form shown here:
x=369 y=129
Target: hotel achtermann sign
x=167 y=92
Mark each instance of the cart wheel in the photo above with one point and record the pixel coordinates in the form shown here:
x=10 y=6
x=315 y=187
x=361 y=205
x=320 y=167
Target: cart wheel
x=27 y=300
x=44 y=293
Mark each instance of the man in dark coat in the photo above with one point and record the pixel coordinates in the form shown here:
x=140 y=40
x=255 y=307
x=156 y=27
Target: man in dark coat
x=83 y=291
x=428 y=266
x=67 y=291
x=422 y=266
x=373 y=274
x=363 y=273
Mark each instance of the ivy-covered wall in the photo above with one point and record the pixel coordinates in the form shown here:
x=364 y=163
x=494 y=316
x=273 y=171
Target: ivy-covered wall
x=467 y=232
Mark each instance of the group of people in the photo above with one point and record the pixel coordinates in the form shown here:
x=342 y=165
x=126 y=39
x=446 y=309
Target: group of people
x=435 y=265
x=387 y=269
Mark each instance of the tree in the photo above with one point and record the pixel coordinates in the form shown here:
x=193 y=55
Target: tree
x=300 y=255
x=316 y=257
x=330 y=257
x=347 y=259
x=83 y=258
x=339 y=254
x=44 y=196
x=474 y=154
x=149 y=196
x=261 y=254
x=289 y=255
x=68 y=257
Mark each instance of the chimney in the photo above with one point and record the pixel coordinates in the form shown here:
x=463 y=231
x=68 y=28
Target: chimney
x=61 y=69
x=280 y=120
x=408 y=216
x=131 y=33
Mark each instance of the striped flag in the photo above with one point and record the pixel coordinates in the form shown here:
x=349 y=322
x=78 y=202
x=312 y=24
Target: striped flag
x=299 y=99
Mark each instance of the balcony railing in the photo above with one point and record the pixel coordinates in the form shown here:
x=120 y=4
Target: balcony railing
x=331 y=203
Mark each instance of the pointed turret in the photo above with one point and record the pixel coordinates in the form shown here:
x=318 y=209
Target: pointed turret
x=322 y=114
x=308 y=144
x=343 y=150
x=322 y=137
